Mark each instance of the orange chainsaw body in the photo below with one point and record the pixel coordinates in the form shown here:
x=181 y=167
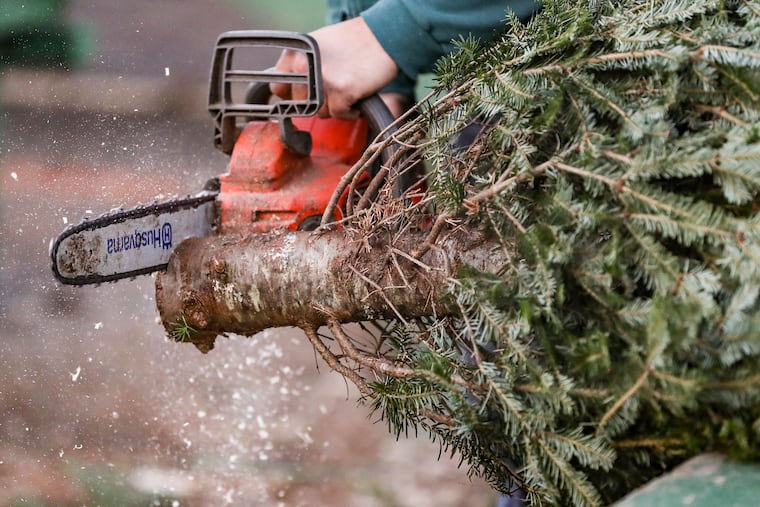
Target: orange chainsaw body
x=268 y=187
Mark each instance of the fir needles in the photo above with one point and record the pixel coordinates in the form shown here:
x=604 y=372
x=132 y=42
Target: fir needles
x=619 y=164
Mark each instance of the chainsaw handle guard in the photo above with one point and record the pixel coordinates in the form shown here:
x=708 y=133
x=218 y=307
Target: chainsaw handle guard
x=232 y=110
x=235 y=54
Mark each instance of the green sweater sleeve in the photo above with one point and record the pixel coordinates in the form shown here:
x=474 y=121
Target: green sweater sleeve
x=415 y=33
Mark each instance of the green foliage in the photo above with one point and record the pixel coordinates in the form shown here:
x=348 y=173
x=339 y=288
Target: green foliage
x=280 y=15
x=181 y=330
x=620 y=163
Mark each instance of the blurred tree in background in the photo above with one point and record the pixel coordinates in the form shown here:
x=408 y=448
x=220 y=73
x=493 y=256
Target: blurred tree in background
x=310 y=15
x=38 y=33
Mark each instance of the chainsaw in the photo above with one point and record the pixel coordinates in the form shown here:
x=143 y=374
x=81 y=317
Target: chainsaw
x=284 y=166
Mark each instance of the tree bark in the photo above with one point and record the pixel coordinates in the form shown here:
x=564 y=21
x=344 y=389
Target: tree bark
x=244 y=285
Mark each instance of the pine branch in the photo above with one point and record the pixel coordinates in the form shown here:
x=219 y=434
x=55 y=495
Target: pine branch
x=616 y=170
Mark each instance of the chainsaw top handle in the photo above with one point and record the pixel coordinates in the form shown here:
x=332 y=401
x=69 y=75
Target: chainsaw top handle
x=237 y=64
x=238 y=94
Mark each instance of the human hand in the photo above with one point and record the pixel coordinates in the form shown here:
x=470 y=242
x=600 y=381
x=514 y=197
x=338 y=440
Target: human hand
x=354 y=66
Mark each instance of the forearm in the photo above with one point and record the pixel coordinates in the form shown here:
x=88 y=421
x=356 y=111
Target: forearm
x=415 y=33
x=392 y=39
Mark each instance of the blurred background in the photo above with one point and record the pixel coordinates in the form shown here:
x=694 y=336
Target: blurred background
x=103 y=104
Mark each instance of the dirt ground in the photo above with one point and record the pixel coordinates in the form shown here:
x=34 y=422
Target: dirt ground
x=97 y=407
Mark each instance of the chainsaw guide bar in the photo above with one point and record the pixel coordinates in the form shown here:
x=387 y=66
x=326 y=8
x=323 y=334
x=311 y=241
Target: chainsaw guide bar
x=127 y=243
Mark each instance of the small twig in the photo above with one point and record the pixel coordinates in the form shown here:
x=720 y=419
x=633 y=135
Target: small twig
x=382 y=142
x=625 y=159
x=623 y=399
x=376 y=364
x=439 y=418
x=660 y=444
x=501 y=185
x=372 y=188
x=334 y=363
x=398 y=268
x=380 y=178
x=381 y=291
x=369 y=156
x=435 y=231
x=519 y=226
x=722 y=113
x=412 y=258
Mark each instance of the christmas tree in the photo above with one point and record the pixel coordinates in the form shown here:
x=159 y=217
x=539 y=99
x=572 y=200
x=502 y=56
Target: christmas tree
x=568 y=300
x=613 y=158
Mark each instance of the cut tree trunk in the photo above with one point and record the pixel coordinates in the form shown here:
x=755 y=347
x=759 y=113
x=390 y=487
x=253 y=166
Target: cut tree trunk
x=243 y=285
